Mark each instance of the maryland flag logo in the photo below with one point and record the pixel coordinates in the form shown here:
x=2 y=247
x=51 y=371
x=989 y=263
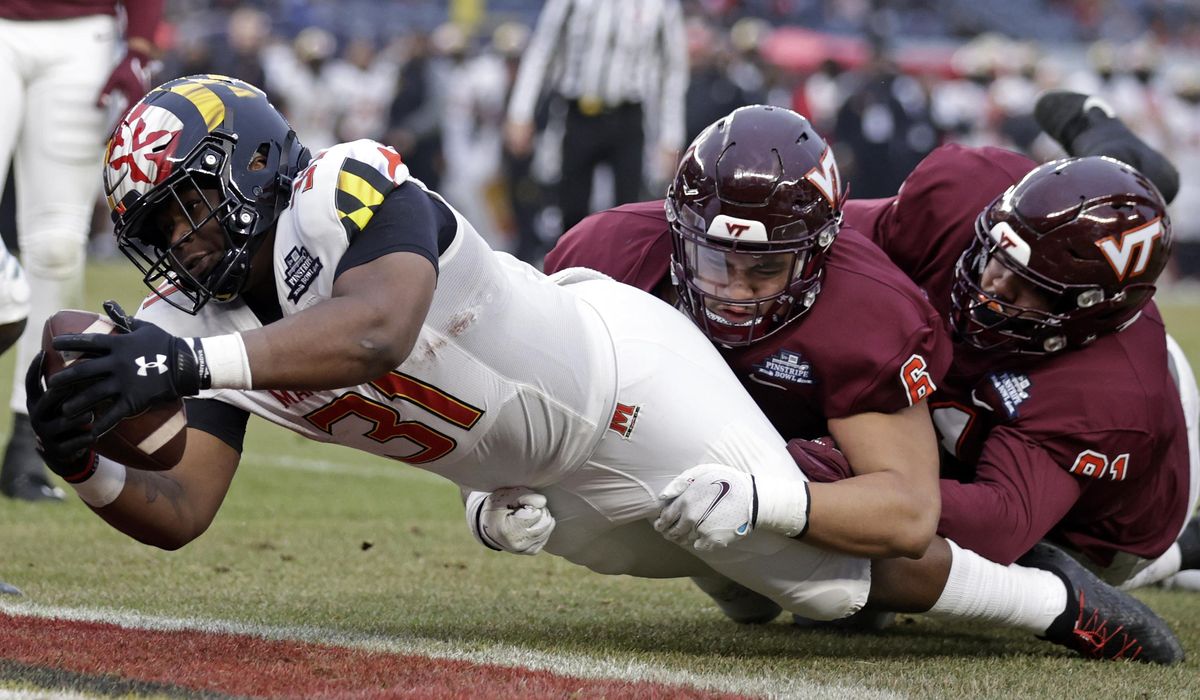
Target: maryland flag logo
x=361 y=187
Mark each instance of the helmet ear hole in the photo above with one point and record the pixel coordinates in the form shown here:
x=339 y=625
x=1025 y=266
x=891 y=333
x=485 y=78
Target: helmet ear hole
x=259 y=160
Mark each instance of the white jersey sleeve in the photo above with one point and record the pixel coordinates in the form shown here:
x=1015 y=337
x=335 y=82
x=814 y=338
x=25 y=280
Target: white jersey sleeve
x=333 y=200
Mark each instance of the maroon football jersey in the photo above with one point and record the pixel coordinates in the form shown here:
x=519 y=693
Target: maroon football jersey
x=1088 y=447
x=1095 y=440
x=871 y=342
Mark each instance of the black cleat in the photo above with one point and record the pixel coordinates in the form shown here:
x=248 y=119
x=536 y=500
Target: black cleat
x=1101 y=622
x=1085 y=125
x=739 y=603
x=23 y=474
x=1064 y=115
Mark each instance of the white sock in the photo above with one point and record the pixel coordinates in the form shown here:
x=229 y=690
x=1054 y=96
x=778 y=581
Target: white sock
x=1163 y=567
x=1014 y=596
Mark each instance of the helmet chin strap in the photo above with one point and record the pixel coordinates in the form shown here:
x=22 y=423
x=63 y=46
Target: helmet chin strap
x=235 y=267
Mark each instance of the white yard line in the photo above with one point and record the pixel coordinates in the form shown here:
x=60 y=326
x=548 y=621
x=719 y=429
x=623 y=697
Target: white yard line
x=576 y=665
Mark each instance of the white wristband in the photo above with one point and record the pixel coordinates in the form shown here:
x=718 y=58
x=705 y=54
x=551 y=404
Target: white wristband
x=104 y=485
x=228 y=363
x=782 y=506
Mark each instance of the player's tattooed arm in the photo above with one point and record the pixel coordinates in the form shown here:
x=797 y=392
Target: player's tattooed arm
x=168 y=509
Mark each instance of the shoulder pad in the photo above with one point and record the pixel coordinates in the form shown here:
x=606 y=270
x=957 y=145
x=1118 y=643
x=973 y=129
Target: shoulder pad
x=347 y=183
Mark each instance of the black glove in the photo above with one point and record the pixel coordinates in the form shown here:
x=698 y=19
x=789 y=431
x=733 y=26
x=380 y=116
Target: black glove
x=141 y=365
x=64 y=441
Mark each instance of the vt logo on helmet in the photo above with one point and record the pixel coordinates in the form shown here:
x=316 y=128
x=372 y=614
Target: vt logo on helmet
x=1084 y=238
x=754 y=207
x=214 y=148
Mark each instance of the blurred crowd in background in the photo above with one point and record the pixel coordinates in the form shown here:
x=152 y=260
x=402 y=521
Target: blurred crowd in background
x=885 y=81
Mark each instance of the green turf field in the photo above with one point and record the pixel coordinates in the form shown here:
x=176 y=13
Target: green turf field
x=320 y=536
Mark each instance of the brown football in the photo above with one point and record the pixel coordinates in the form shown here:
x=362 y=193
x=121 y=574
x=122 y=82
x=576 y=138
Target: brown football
x=154 y=439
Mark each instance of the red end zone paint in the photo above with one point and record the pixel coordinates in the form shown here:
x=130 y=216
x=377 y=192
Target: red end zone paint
x=243 y=665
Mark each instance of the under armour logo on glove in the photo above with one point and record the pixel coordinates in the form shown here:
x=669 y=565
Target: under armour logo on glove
x=160 y=364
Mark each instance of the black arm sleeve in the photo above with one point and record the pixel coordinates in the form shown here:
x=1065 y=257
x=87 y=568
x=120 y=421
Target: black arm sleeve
x=409 y=220
x=221 y=420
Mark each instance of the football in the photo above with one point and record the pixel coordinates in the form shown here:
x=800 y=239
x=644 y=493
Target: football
x=154 y=439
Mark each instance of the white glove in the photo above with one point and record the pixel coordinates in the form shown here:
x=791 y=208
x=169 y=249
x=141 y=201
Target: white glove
x=712 y=505
x=512 y=519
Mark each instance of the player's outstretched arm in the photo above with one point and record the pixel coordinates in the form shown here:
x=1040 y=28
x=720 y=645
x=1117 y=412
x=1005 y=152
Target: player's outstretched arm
x=365 y=330
x=890 y=507
x=166 y=509
x=169 y=509
x=882 y=506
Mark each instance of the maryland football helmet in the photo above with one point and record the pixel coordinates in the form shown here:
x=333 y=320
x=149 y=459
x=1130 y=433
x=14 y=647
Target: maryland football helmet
x=1090 y=235
x=199 y=132
x=762 y=183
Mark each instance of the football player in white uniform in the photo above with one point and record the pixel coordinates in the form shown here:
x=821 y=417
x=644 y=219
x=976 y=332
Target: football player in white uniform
x=340 y=298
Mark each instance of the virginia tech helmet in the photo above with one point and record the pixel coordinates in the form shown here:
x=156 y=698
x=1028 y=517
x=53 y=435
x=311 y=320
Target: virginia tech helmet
x=199 y=132
x=759 y=181
x=1090 y=234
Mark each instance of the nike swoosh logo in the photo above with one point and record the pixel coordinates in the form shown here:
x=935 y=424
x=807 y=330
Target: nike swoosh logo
x=724 y=485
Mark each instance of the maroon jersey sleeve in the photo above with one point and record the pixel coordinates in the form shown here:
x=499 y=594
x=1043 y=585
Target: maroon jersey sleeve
x=1106 y=416
x=631 y=244
x=1019 y=493
x=925 y=227
x=37 y=10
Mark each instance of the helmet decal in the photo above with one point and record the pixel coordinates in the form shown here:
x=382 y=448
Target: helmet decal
x=734 y=228
x=139 y=152
x=1011 y=243
x=198 y=91
x=1120 y=255
x=826 y=178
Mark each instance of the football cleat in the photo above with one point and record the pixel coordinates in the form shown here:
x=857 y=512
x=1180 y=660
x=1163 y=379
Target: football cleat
x=1064 y=114
x=1086 y=125
x=1101 y=622
x=739 y=603
x=9 y=589
x=23 y=474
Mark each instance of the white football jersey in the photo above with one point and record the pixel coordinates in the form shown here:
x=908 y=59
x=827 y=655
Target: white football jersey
x=511 y=381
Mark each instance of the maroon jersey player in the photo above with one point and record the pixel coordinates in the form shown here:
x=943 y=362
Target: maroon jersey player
x=828 y=335
x=1058 y=425
x=825 y=333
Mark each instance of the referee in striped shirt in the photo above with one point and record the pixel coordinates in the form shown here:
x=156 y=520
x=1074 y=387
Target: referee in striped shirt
x=613 y=62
